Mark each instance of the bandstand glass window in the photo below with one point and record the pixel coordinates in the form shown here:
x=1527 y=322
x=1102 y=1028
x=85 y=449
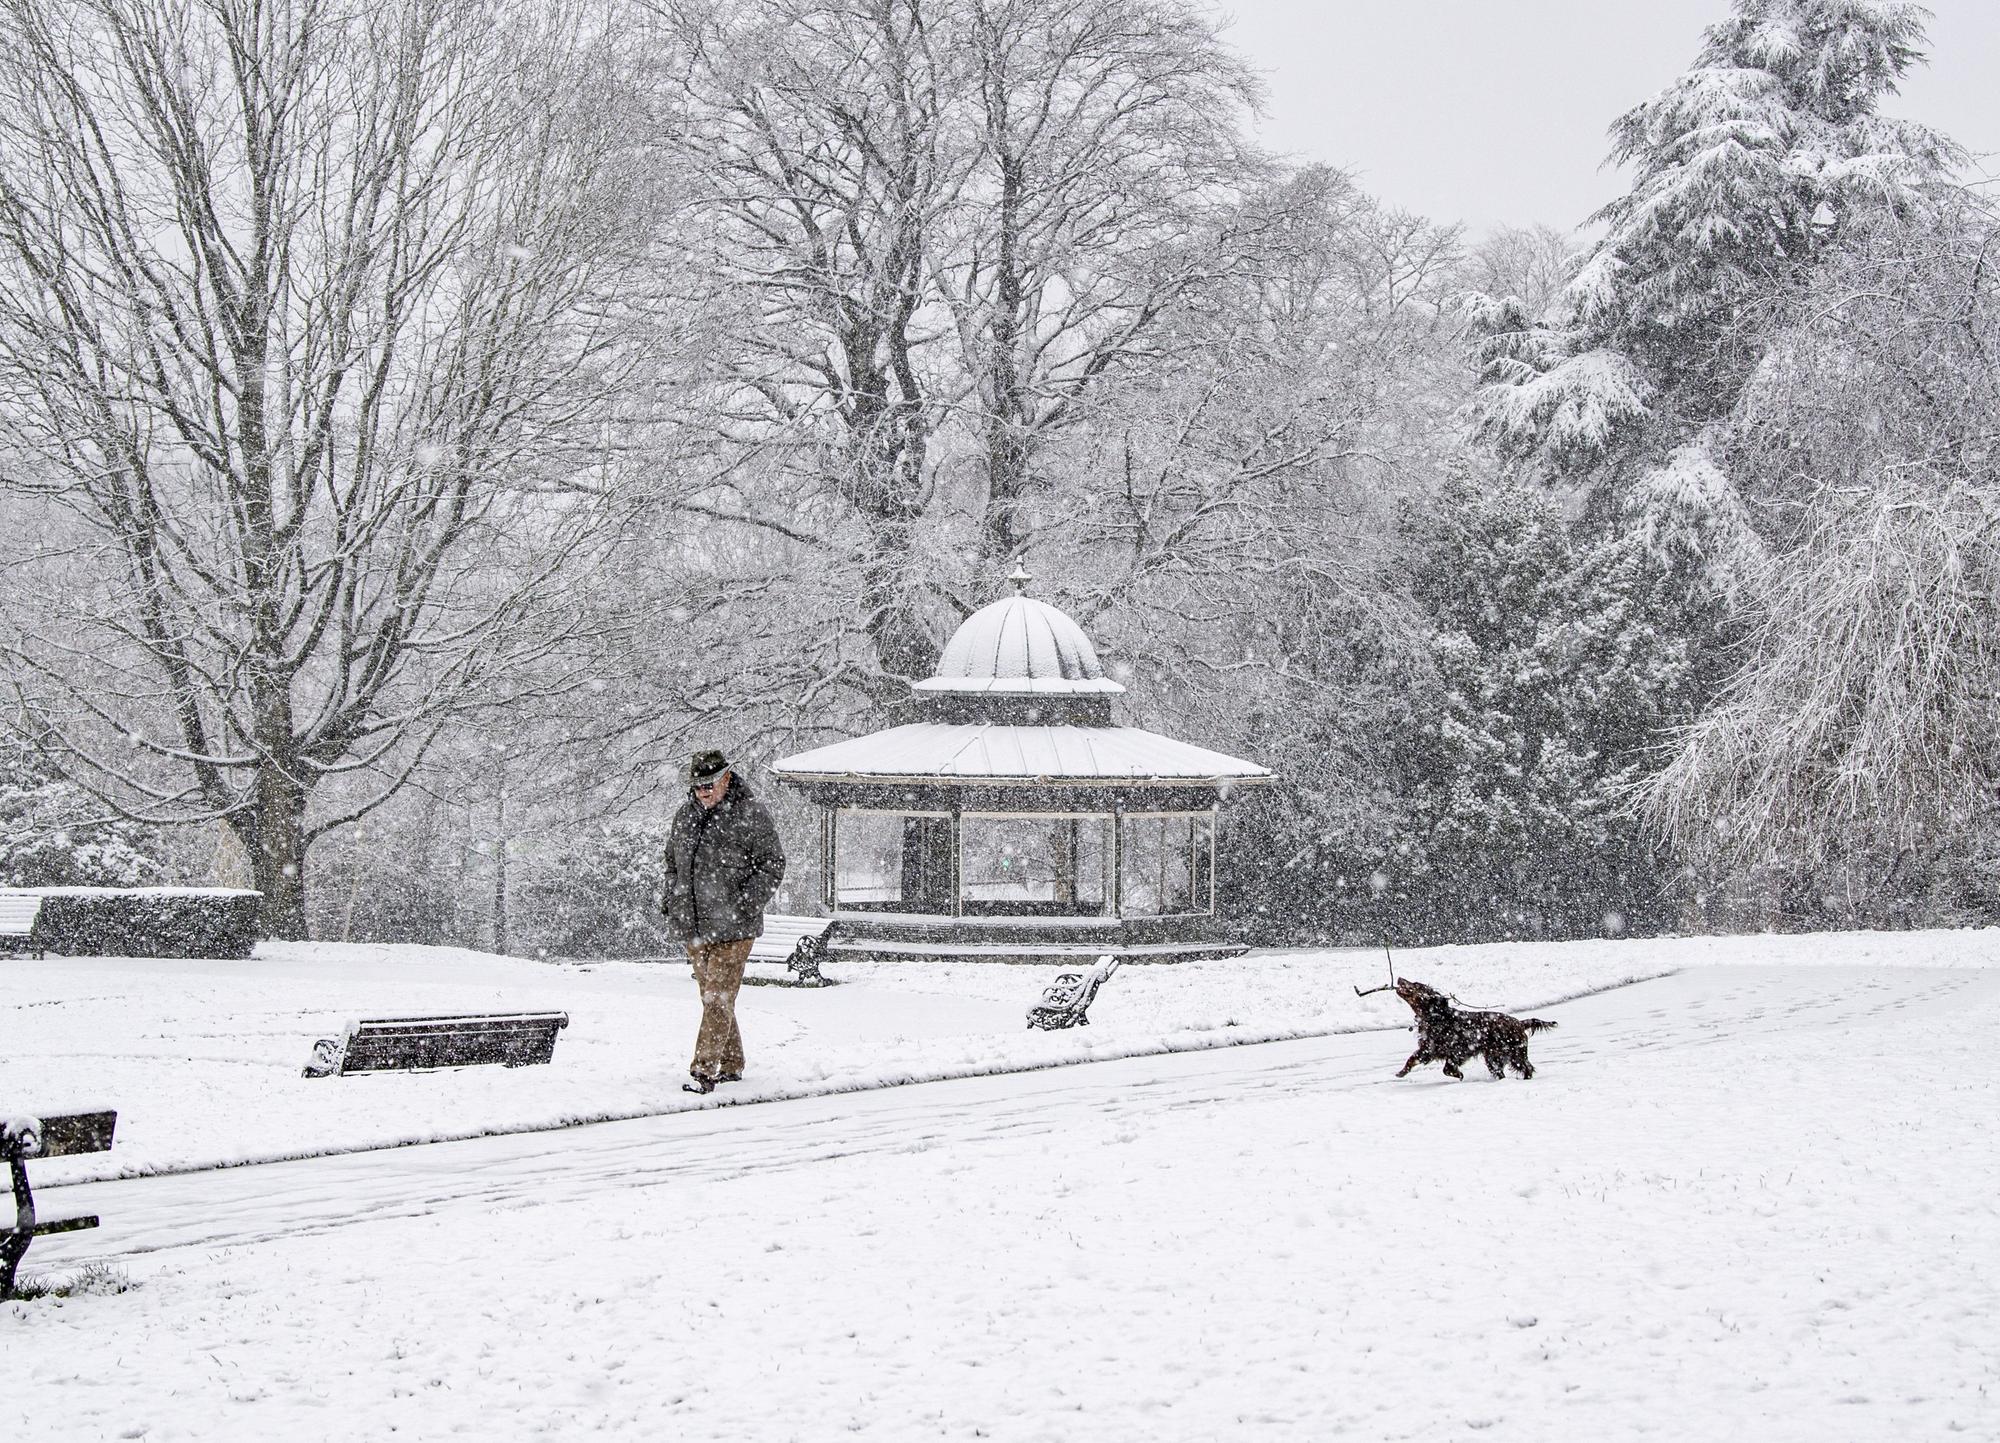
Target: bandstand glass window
x=1166 y=863
x=891 y=861
x=1035 y=865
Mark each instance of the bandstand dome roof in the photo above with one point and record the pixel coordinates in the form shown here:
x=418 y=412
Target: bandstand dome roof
x=1019 y=647
x=1023 y=646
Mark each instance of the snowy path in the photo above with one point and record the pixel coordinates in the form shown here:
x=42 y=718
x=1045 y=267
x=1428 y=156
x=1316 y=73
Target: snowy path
x=251 y=1204
x=1736 y=1200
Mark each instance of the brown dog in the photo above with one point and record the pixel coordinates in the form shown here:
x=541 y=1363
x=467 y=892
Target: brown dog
x=1448 y=1035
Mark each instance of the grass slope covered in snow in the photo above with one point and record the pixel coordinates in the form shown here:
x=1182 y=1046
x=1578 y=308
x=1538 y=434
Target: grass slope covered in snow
x=204 y=1059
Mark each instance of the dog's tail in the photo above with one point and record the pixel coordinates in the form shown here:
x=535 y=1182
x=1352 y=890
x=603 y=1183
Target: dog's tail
x=1536 y=1024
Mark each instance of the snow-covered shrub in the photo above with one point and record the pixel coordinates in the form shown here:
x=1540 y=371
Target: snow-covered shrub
x=590 y=892
x=53 y=834
x=149 y=922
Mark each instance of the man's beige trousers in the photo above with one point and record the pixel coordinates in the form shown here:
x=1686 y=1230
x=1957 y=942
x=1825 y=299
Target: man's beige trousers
x=718 y=972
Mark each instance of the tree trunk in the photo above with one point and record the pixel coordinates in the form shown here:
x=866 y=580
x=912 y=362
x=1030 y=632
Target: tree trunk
x=500 y=873
x=1007 y=436
x=890 y=598
x=274 y=835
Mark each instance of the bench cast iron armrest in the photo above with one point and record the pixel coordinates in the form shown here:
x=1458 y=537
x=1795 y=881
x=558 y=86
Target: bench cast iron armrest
x=1067 y=1001
x=57 y=1135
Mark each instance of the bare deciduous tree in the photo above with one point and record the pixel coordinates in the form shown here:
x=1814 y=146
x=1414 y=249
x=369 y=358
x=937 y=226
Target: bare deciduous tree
x=1110 y=173
x=1531 y=264
x=302 y=342
x=946 y=221
x=819 y=129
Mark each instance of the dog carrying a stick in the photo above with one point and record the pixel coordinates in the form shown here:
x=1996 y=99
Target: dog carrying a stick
x=1451 y=1034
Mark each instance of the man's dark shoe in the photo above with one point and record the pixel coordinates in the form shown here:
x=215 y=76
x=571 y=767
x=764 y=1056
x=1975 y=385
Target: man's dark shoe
x=698 y=1084
x=730 y=1077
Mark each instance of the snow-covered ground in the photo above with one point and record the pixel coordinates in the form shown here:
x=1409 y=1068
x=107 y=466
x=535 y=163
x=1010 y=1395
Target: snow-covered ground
x=205 y=1060
x=1755 y=1198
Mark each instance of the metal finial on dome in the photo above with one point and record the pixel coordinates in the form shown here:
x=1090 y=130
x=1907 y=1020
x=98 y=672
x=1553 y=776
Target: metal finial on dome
x=1020 y=577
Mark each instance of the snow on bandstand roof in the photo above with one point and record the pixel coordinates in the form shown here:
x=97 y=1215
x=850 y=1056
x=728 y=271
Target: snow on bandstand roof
x=1020 y=645
x=984 y=751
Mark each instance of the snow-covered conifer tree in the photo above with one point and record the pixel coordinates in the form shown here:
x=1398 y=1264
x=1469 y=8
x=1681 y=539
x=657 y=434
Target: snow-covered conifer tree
x=1556 y=660
x=53 y=835
x=1747 y=170
x=1759 y=172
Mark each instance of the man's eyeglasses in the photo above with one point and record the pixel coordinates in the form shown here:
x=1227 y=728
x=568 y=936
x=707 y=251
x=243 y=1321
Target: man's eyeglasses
x=708 y=786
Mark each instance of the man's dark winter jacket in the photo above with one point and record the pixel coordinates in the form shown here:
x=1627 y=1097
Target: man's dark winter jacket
x=723 y=867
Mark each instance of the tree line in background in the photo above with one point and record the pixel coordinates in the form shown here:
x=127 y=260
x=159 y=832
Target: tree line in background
x=422 y=424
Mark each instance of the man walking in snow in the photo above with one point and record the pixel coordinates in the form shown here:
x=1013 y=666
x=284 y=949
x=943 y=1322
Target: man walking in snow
x=724 y=863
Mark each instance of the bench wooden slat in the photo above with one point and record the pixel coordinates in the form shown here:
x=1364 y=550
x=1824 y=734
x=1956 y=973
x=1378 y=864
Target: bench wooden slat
x=66 y=1225
x=467 y=1022
x=782 y=934
x=67 y=1134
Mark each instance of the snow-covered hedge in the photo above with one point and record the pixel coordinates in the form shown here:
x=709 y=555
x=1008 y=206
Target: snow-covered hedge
x=149 y=921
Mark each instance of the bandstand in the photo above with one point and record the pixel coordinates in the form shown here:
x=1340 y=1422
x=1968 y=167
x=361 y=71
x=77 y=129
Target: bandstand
x=1013 y=821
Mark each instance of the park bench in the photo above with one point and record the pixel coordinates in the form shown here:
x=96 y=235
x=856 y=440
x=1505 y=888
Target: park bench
x=799 y=943
x=1067 y=1001
x=55 y=1135
x=399 y=1044
x=21 y=922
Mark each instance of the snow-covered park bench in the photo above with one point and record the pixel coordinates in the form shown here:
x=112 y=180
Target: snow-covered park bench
x=55 y=1135
x=797 y=942
x=1067 y=1001
x=21 y=922
x=399 y=1044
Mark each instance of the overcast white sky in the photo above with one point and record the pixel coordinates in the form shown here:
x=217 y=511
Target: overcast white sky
x=1493 y=112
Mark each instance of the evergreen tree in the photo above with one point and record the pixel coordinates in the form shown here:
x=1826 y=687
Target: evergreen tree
x=1850 y=768
x=1755 y=175
x=1748 y=170
x=51 y=834
x=1557 y=661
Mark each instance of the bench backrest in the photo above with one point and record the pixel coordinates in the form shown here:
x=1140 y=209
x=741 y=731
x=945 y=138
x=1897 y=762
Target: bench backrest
x=782 y=929
x=58 y=1134
x=55 y=1134
x=18 y=911
x=783 y=934
x=513 y=1039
